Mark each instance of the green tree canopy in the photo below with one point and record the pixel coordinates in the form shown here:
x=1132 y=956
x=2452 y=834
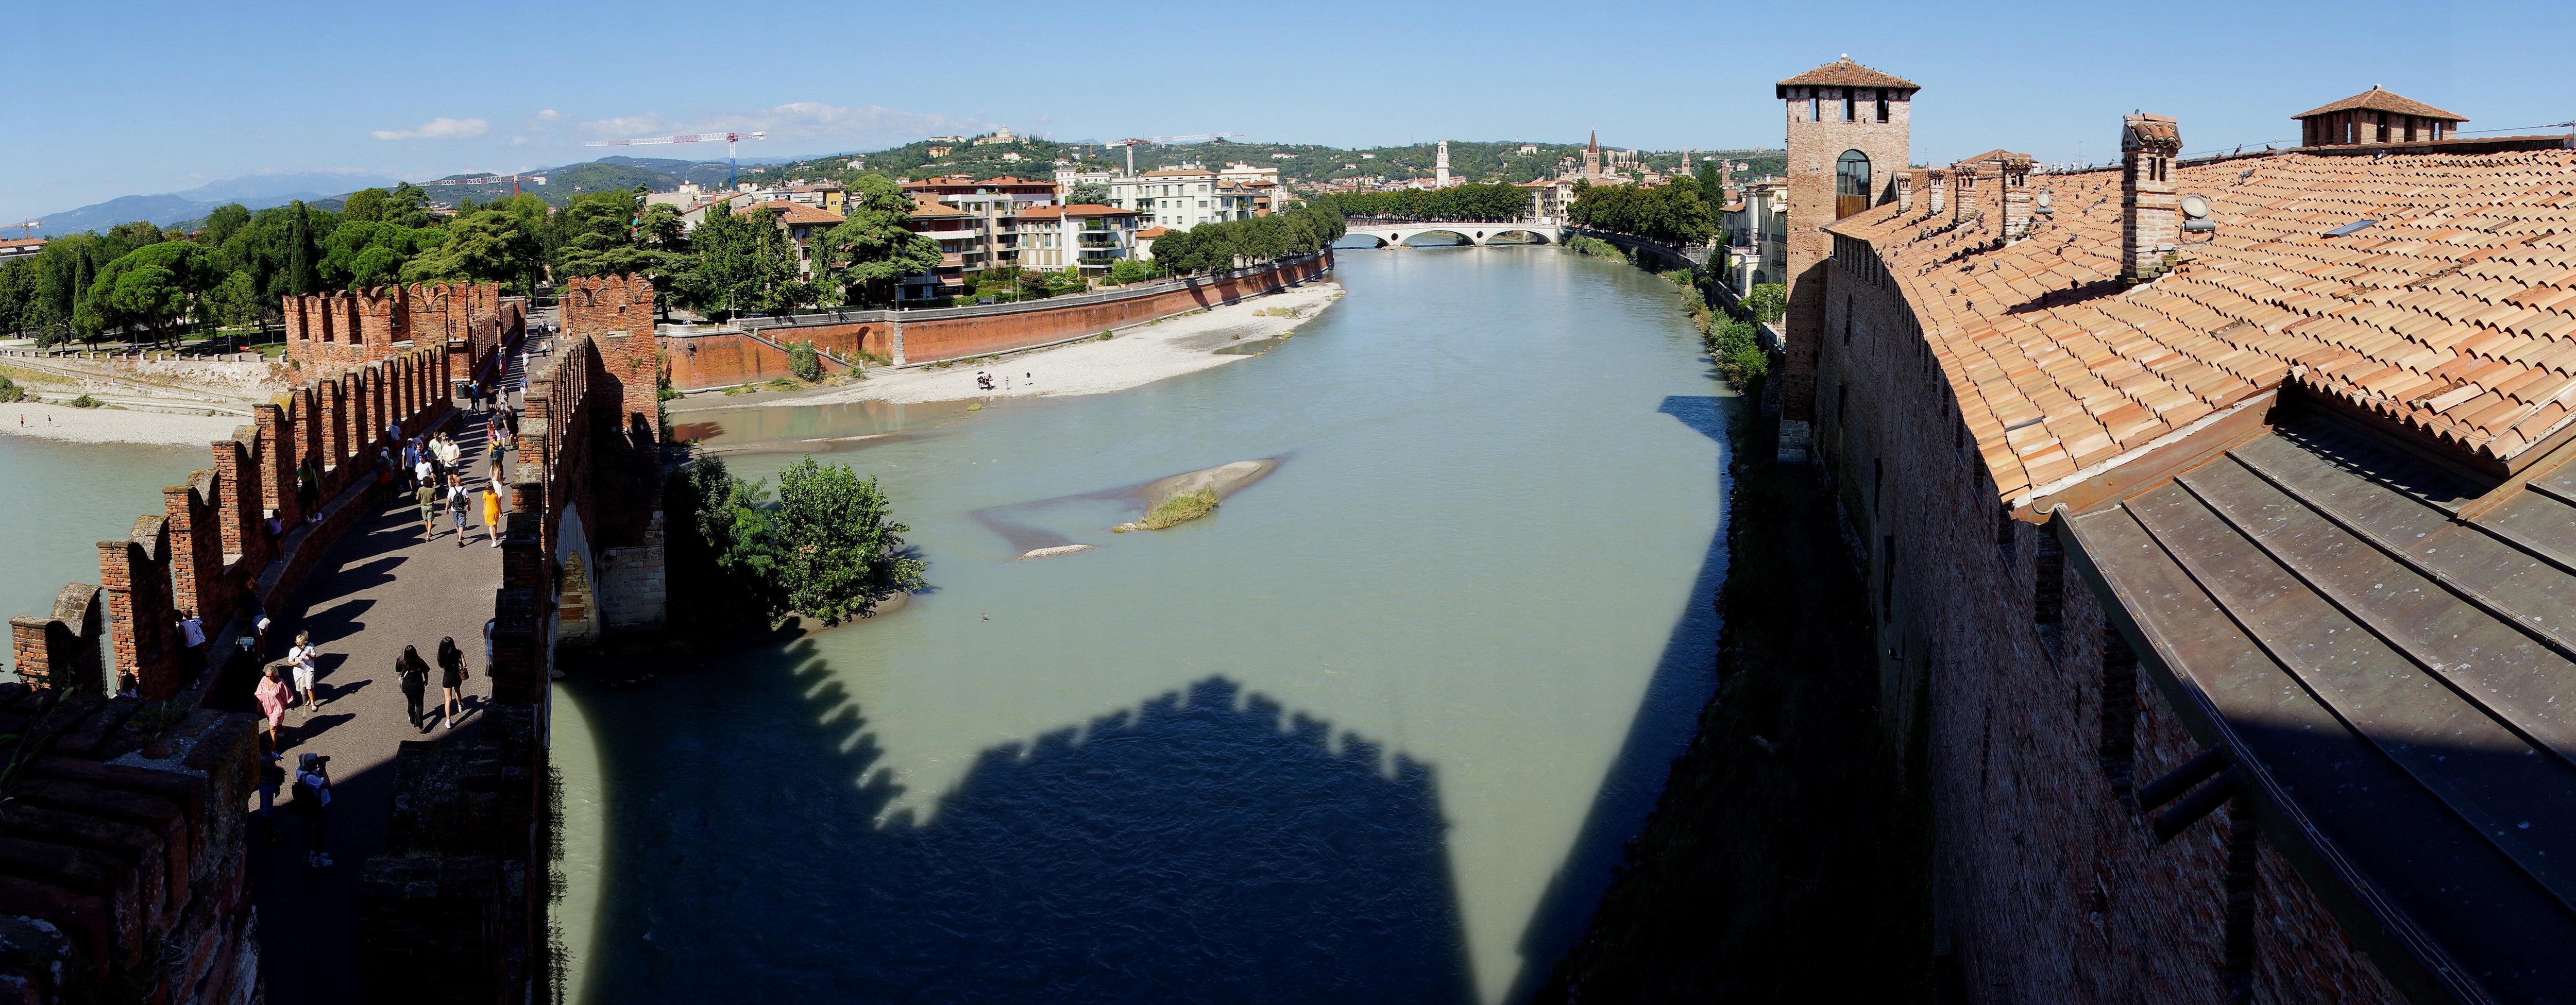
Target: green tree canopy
x=364 y=254
x=1672 y=213
x=405 y=205
x=154 y=286
x=1461 y=202
x=1090 y=193
x=488 y=245
x=839 y=549
x=606 y=233
x=873 y=246
x=742 y=262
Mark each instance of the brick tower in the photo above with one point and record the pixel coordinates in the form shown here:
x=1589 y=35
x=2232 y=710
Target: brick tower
x=1848 y=137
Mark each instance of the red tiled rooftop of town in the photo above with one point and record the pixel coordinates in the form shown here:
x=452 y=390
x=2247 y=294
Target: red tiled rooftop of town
x=1845 y=73
x=2453 y=316
x=2377 y=100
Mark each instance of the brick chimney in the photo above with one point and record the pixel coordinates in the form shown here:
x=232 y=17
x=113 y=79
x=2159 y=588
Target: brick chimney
x=1963 y=204
x=2016 y=182
x=1905 y=191
x=1938 y=187
x=2150 y=212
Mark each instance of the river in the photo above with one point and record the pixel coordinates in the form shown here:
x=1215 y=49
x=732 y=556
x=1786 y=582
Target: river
x=58 y=499
x=1376 y=730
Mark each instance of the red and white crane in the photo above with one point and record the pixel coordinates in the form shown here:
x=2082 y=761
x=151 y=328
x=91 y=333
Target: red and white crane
x=732 y=142
x=1131 y=145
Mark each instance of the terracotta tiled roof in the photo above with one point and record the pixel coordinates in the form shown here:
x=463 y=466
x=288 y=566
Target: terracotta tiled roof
x=1095 y=209
x=798 y=213
x=1845 y=73
x=1153 y=232
x=920 y=209
x=1997 y=154
x=2377 y=100
x=2454 y=315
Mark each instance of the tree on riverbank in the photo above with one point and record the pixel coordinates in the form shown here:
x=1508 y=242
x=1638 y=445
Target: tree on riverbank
x=1671 y=213
x=1460 y=202
x=827 y=546
x=1235 y=243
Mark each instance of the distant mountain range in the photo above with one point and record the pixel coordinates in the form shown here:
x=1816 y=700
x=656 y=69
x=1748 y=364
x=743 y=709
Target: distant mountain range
x=328 y=190
x=258 y=191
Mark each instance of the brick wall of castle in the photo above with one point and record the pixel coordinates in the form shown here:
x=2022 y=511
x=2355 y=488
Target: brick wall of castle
x=2049 y=885
x=328 y=332
x=214 y=535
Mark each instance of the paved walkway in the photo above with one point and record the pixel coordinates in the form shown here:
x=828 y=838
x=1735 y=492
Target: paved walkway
x=380 y=588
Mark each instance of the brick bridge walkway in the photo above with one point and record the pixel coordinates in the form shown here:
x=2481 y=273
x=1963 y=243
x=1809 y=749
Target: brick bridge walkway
x=379 y=589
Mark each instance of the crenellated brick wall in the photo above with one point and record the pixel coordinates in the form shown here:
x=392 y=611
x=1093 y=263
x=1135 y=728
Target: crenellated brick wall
x=2048 y=883
x=326 y=332
x=210 y=548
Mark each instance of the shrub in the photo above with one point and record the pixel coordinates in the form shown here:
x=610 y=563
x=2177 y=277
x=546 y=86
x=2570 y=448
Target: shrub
x=1129 y=270
x=1692 y=302
x=1181 y=509
x=1768 y=301
x=10 y=392
x=85 y=401
x=1736 y=348
x=839 y=551
x=804 y=362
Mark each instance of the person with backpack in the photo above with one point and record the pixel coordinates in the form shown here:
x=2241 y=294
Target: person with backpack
x=414 y=675
x=451 y=666
x=312 y=801
x=457 y=501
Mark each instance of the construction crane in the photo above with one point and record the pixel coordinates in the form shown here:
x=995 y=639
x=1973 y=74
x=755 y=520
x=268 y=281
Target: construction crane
x=27 y=230
x=1131 y=145
x=731 y=141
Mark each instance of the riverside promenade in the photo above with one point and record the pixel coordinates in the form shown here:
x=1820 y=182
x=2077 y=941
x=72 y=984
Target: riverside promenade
x=378 y=589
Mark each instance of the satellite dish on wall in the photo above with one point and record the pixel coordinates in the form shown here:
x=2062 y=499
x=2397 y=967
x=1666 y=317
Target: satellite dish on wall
x=2195 y=207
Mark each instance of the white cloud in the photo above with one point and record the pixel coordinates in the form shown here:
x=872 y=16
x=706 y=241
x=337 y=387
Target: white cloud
x=518 y=141
x=550 y=115
x=441 y=128
x=794 y=122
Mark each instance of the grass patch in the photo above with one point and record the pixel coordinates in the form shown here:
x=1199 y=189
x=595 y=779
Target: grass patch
x=784 y=384
x=1789 y=858
x=1181 y=509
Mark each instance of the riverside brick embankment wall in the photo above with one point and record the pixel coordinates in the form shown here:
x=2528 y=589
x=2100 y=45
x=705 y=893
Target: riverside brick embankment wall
x=723 y=359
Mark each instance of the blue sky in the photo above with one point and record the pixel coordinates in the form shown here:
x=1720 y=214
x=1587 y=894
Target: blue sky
x=144 y=98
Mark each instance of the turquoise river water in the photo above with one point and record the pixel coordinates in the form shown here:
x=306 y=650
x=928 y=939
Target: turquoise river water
x=1376 y=730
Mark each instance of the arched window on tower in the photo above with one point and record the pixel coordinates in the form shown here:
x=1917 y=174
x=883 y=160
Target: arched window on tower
x=1851 y=183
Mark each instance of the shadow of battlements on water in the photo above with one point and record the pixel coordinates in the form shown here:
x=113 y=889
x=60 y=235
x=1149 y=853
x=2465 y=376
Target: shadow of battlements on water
x=1203 y=846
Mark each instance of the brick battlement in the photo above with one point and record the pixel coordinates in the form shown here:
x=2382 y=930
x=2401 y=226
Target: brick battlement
x=327 y=332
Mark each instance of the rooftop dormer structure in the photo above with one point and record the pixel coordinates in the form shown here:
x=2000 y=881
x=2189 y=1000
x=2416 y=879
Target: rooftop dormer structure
x=2376 y=116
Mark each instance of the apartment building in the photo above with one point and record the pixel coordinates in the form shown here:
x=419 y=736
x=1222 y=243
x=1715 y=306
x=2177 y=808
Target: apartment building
x=1756 y=222
x=1185 y=197
x=1085 y=237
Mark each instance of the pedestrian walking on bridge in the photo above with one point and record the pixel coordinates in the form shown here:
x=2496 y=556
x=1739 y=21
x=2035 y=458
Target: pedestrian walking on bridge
x=414 y=675
x=272 y=702
x=427 y=495
x=451 y=665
